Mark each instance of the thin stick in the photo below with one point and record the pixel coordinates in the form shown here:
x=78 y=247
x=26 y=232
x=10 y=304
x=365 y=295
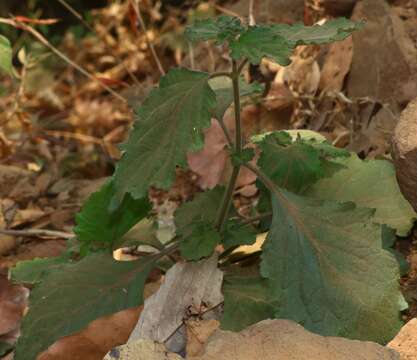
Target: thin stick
x=45 y=42
x=149 y=42
x=251 y=16
x=37 y=232
x=89 y=27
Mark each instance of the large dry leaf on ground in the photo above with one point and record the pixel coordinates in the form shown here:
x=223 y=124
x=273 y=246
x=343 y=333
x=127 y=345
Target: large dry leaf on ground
x=283 y=339
x=97 y=339
x=191 y=286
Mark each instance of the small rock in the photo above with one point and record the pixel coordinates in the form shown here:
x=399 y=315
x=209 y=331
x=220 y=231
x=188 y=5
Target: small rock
x=404 y=151
x=284 y=339
x=406 y=341
x=141 y=350
x=384 y=66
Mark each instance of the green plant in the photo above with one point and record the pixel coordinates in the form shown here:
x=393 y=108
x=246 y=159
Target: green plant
x=326 y=263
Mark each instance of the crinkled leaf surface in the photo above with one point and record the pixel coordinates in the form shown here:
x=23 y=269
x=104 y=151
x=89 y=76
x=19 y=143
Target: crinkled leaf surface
x=72 y=296
x=5 y=55
x=329 y=271
x=222 y=28
x=372 y=184
x=97 y=226
x=203 y=208
x=278 y=41
x=223 y=87
x=332 y=30
x=200 y=242
x=297 y=164
x=169 y=124
x=261 y=41
x=247 y=300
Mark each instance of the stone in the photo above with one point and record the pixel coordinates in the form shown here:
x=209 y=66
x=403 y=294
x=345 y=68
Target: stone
x=405 y=343
x=384 y=65
x=404 y=152
x=284 y=339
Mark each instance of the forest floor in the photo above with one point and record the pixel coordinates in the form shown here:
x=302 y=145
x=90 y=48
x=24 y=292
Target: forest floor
x=60 y=129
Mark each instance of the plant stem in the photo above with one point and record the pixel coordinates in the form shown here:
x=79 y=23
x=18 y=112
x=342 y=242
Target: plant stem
x=228 y=195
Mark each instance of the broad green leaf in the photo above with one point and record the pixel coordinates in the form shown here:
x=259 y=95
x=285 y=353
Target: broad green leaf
x=170 y=123
x=203 y=208
x=247 y=300
x=295 y=165
x=332 y=30
x=73 y=295
x=329 y=271
x=200 y=242
x=372 y=184
x=238 y=234
x=6 y=55
x=258 y=42
x=223 y=88
x=278 y=41
x=32 y=271
x=98 y=227
x=223 y=28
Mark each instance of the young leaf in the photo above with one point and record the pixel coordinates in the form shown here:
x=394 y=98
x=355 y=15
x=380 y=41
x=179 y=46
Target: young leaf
x=238 y=234
x=223 y=88
x=261 y=41
x=372 y=184
x=278 y=41
x=330 y=31
x=203 y=208
x=221 y=29
x=73 y=295
x=295 y=165
x=169 y=124
x=200 y=242
x=96 y=226
x=247 y=300
x=329 y=271
x=6 y=55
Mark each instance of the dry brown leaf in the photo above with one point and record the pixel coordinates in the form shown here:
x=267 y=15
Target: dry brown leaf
x=96 y=340
x=13 y=301
x=336 y=65
x=198 y=332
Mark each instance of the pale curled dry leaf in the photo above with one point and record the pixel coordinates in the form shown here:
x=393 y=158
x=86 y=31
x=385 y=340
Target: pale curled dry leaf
x=188 y=287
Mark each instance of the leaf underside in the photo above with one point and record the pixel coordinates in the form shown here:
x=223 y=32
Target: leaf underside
x=370 y=184
x=73 y=295
x=329 y=271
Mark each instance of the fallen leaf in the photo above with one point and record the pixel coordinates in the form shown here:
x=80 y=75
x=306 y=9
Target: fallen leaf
x=188 y=288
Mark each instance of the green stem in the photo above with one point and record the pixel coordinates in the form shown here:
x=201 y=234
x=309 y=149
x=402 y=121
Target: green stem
x=228 y=195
